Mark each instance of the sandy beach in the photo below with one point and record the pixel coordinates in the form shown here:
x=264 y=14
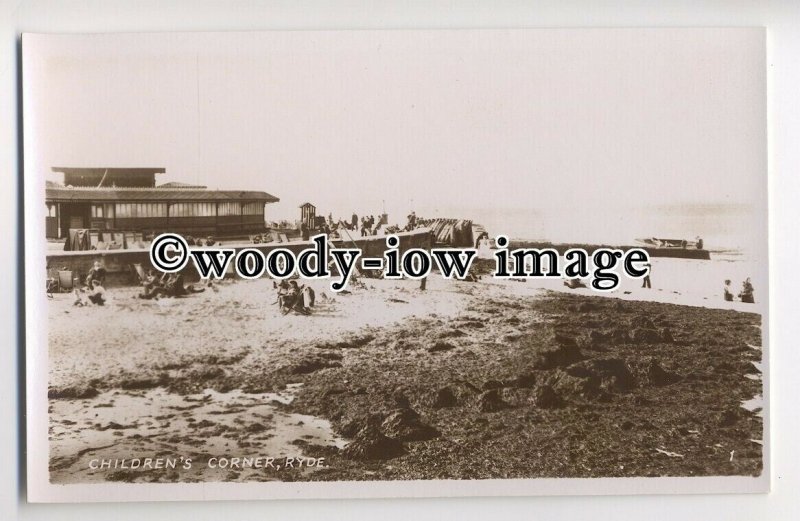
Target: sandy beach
x=488 y=379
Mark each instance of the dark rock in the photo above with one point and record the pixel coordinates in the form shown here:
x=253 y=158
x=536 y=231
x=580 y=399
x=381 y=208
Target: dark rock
x=619 y=335
x=491 y=384
x=565 y=340
x=557 y=356
x=610 y=374
x=658 y=376
x=371 y=444
x=352 y=427
x=577 y=384
x=333 y=391
x=114 y=426
x=136 y=382
x=523 y=381
x=490 y=401
x=400 y=398
x=452 y=333
x=71 y=392
x=642 y=322
x=311 y=364
x=728 y=418
x=441 y=346
x=645 y=336
x=256 y=427
x=472 y=324
x=444 y=397
x=205 y=373
x=405 y=425
x=597 y=337
x=545 y=397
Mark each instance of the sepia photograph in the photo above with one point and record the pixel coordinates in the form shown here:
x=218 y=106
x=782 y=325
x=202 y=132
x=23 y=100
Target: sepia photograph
x=646 y=140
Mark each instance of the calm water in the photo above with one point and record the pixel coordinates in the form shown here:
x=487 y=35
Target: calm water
x=735 y=234
x=722 y=227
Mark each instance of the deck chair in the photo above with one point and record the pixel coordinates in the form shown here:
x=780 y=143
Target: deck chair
x=65 y=281
x=137 y=266
x=94 y=239
x=101 y=246
x=283 y=237
x=130 y=240
x=275 y=236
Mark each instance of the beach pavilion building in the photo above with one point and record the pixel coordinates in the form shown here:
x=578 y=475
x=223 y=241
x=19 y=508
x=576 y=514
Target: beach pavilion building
x=127 y=199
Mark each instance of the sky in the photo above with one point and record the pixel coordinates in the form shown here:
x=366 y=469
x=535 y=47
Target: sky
x=573 y=123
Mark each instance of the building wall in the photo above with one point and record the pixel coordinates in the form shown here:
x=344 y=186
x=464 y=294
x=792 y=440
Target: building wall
x=119 y=263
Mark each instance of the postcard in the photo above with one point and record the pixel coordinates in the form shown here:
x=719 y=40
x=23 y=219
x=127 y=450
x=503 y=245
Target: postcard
x=350 y=264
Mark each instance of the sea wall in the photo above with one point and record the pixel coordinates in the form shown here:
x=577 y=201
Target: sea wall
x=119 y=263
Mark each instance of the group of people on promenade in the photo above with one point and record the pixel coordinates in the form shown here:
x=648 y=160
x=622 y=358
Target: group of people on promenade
x=365 y=226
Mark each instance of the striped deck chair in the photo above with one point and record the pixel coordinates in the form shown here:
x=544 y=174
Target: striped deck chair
x=130 y=240
x=65 y=281
x=137 y=267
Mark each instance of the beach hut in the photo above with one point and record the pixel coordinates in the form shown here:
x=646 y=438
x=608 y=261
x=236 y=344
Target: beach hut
x=307 y=214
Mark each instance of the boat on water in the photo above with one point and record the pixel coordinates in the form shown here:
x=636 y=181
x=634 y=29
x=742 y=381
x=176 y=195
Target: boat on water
x=656 y=242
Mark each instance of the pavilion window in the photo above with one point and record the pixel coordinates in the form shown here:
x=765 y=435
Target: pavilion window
x=252 y=209
x=126 y=210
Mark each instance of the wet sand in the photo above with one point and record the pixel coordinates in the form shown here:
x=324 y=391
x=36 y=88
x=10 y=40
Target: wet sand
x=464 y=380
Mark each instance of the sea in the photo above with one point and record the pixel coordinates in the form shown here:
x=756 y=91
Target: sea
x=734 y=234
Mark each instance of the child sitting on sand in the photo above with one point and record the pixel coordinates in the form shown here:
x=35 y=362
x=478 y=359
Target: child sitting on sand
x=95 y=295
x=747 y=292
x=292 y=297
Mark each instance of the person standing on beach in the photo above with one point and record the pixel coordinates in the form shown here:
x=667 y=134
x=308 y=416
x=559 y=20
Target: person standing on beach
x=354 y=221
x=726 y=291
x=412 y=221
x=747 y=292
x=646 y=281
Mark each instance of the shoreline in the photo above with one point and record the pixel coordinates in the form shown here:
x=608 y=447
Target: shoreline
x=462 y=380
